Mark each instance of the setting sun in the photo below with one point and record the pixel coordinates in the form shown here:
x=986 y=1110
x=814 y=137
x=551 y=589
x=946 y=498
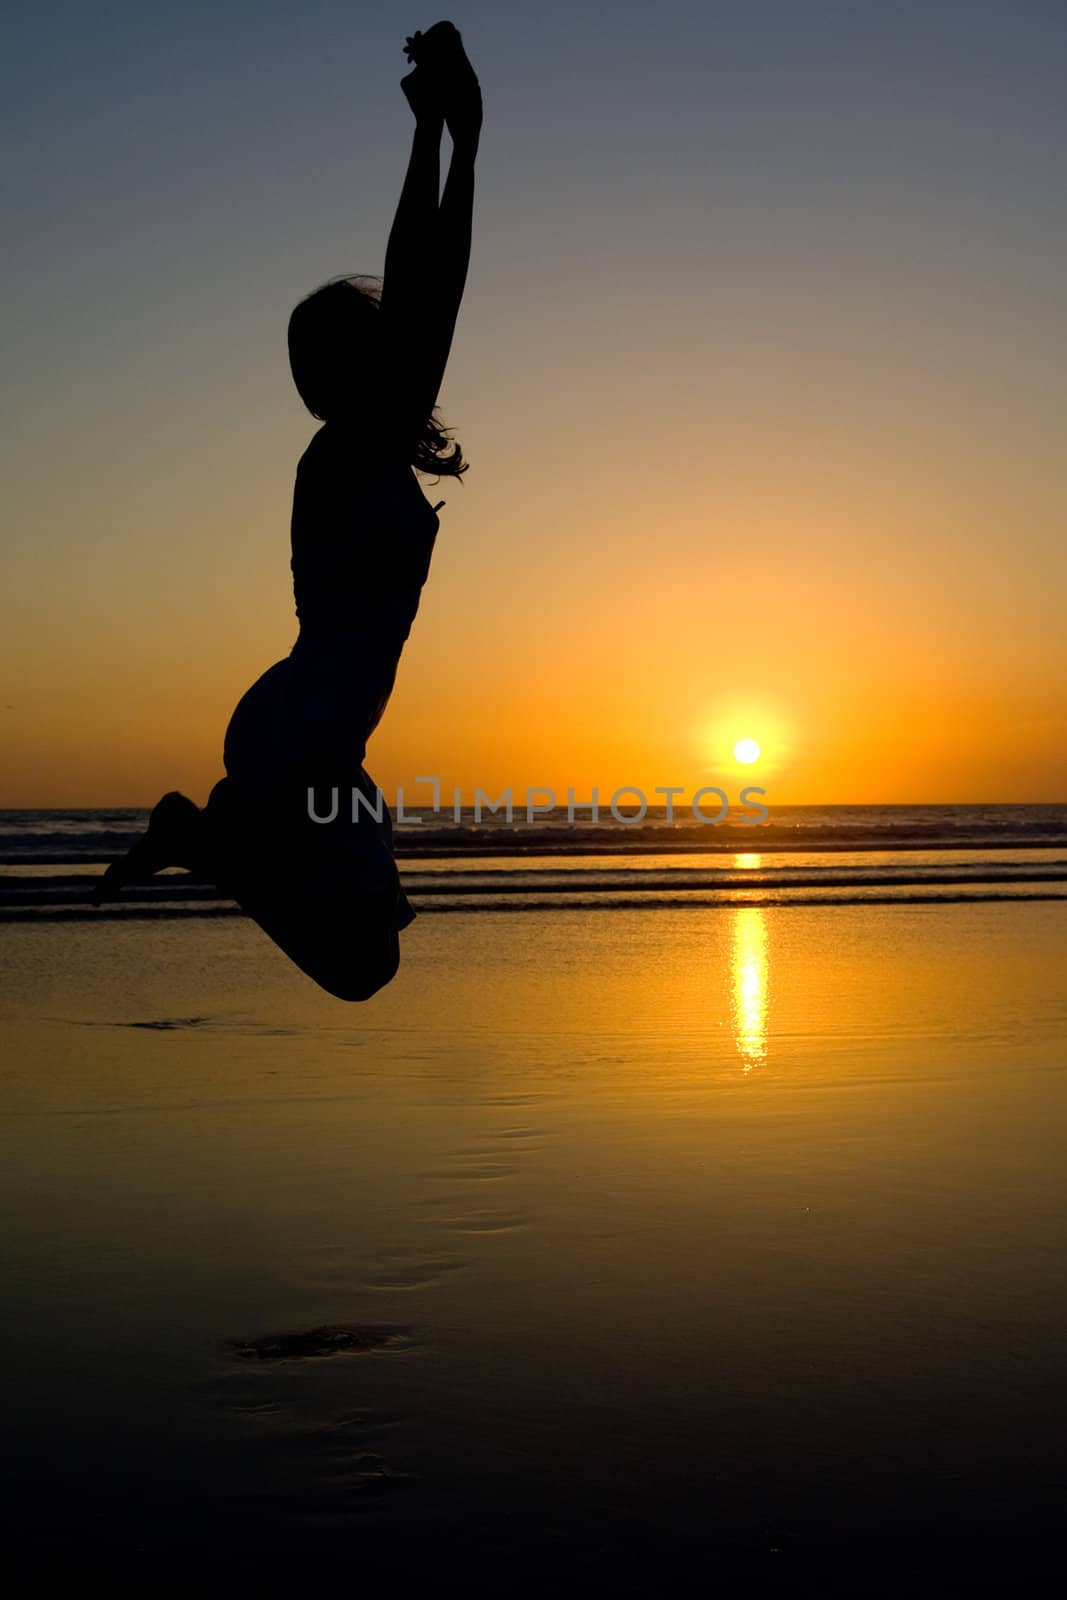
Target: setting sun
x=749 y=736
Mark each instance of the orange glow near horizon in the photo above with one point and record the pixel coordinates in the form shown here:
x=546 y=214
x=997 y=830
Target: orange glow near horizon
x=503 y=685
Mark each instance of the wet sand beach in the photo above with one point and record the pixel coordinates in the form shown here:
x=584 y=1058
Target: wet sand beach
x=598 y=1241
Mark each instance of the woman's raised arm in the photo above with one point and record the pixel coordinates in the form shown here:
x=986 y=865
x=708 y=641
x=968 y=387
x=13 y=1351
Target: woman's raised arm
x=429 y=246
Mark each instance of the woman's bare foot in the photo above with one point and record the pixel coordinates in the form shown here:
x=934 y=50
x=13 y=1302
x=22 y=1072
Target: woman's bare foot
x=173 y=838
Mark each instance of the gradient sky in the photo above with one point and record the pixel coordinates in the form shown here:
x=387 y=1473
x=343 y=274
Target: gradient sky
x=760 y=374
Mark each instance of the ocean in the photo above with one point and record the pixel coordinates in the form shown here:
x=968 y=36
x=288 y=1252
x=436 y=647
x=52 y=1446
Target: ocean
x=803 y=855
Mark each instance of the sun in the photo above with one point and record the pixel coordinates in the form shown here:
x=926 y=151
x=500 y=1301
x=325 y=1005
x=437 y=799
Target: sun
x=752 y=737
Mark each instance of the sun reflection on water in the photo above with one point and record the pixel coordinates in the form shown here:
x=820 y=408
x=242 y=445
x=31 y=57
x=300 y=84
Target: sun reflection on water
x=751 y=975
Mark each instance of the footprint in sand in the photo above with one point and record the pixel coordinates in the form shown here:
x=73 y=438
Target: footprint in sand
x=339 y=1338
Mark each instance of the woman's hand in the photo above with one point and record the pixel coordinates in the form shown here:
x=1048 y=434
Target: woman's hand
x=451 y=84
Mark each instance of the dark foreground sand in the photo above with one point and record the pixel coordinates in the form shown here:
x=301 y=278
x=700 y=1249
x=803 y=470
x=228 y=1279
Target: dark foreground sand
x=597 y=1243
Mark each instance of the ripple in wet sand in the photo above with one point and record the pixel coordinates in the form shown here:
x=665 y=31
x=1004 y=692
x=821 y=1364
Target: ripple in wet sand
x=412 y=1274
x=478 y=1171
x=485 y=1223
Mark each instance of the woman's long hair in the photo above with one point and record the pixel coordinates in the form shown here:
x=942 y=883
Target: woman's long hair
x=335 y=348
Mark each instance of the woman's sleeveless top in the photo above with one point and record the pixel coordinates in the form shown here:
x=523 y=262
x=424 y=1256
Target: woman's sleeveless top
x=363 y=534
x=362 y=537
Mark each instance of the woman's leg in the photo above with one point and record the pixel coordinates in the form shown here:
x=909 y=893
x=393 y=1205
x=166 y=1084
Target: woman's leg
x=345 y=942
x=326 y=894
x=360 y=974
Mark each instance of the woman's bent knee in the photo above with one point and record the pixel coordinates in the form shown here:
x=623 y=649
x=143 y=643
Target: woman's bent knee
x=365 y=977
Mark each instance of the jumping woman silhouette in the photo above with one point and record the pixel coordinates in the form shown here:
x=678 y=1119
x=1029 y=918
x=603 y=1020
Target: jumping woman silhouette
x=368 y=364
